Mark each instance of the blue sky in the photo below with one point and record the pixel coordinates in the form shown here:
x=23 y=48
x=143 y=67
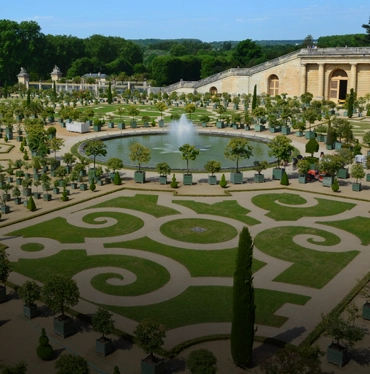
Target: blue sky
x=216 y=20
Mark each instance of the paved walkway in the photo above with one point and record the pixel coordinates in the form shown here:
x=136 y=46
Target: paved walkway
x=301 y=319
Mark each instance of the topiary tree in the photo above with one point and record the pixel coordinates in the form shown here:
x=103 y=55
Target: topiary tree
x=238 y=149
x=102 y=322
x=31 y=204
x=70 y=363
x=44 y=350
x=212 y=166
x=335 y=185
x=223 y=181
x=149 y=336
x=312 y=146
x=92 y=186
x=280 y=148
x=284 y=181
x=244 y=309
x=174 y=183
x=60 y=292
x=202 y=361
x=116 y=370
x=189 y=152
x=117 y=179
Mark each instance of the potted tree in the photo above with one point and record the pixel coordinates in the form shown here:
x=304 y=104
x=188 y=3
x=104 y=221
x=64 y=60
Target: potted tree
x=258 y=166
x=26 y=183
x=357 y=172
x=29 y=292
x=59 y=293
x=329 y=165
x=189 y=152
x=281 y=149
x=16 y=193
x=303 y=167
x=347 y=158
x=149 y=336
x=133 y=111
x=344 y=335
x=102 y=323
x=204 y=120
x=237 y=149
x=161 y=107
x=212 y=167
x=163 y=169
x=114 y=164
x=5 y=270
x=140 y=154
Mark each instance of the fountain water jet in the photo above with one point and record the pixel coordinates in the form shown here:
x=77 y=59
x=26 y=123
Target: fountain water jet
x=182 y=131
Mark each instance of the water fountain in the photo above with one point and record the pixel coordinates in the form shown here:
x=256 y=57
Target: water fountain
x=182 y=131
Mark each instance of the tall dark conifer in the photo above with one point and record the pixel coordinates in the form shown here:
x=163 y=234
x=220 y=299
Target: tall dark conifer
x=351 y=102
x=254 y=98
x=28 y=102
x=109 y=93
x=242 y=331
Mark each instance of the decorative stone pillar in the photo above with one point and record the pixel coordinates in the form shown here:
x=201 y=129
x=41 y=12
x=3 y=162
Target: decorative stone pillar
x=23 y=77
x=353 y=83
x=320 y=92
x=303 y=78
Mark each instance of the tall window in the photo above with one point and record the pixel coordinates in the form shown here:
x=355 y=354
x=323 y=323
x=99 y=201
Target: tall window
x=338 y=85
x=273 y=85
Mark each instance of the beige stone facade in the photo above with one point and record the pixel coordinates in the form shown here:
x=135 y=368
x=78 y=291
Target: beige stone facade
x=327 y=73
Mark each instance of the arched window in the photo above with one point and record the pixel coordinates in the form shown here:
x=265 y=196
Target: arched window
x=273 y=85
x=338 y=85
x=213 y=90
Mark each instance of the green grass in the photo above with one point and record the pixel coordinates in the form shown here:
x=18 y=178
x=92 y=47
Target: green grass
x=310 y=268
x=285 y=213
x=32 y=247
x=200 y=263
x=210 y=304
x=229 y=209
x=150 y=275
x=358 y=226
x=184 y=230
x=67 y=233
x=143 y=203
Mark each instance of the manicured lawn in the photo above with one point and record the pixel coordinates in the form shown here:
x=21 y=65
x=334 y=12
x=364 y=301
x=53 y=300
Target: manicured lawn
x=285 y=213
x=220 y=263
x=150 y=275
x=358 y=226
x=210 y=304
x=67 y=233
x=189 y=230
x=32 y=247
x=310 y=268
x=229 y=209
x=143 y=203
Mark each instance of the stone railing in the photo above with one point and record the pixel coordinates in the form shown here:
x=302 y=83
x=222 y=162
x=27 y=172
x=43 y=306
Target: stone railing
x=335 y=51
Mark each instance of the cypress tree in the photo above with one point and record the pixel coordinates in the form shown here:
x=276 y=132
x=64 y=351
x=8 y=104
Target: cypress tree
x=351 y=102
x=117 y=179
x=109 y=93
x=254 y=99
x=284 y=179
x=6 y=89
x=31 y=204
x=54 y=91
x=28 y=102
x=244 y=309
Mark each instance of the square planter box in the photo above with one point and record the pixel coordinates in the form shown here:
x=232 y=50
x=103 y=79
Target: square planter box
x=107 y=180
x=236 y=178
x=63 y=326
x=336 y=354
x=5 y=209
x=259 y=128
x=162 y=179
x=83 y=187
x=302 y=179
x=247 y=127
x=367 y=177
x=299 y=133
x=285 y=130
x=121 y=126
x=26 y=192
x=275 y=129
x=152 y=367
x=212 y=179
x=330 y=146
x=37 y=195
x=56 y=190
x=30 y=311
x=104 y=346
x=97 y=128
x=2 y=294
x=327 y=181
x=320 y=138
x=277 y=173
x=139 y=176
x=47 y=197
x=356 y=187
x=337 y=145
x=219 y=124
x=310 y=134
x=111 y=125
x=259 y=178
x=17 y=201
x=343 y=173
x=133 y=124
x=187 y=179
x=161 y=123
x=366 y=311
x=235 y=127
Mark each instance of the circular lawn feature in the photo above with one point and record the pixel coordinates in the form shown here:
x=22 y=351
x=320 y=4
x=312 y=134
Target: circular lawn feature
x=197 y=230
x=32 y=247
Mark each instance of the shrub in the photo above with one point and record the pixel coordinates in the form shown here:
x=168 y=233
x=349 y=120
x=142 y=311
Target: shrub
x=31 y=204
x=335 y=185
x=284 y=179
x=116 y=370
x=64 y=195
x=92 y=186
x=174 y=183
x=223 y=181
x=6 y=139
x=117 y=179
x=202 y=361
x=51 y=130
x=44 y=350
x=70 y=363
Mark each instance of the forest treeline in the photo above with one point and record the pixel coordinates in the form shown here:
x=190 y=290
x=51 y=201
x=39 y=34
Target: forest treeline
x=162 y=62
